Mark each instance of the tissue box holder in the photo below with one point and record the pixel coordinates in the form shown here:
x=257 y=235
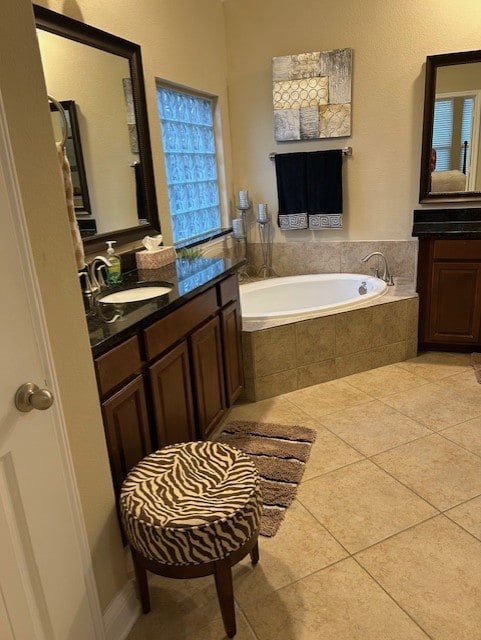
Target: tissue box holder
x=155 y=259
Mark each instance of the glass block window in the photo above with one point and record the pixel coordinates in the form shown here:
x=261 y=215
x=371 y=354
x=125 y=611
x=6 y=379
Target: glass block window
x=190 y=161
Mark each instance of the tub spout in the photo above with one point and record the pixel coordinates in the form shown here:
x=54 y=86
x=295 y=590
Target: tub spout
x=386 y=276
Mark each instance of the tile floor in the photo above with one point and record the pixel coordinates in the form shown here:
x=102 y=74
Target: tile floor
x=384 y=539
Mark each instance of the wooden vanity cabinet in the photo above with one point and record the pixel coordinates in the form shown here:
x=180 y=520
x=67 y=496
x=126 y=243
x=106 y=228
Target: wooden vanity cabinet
x=127 y=429
x=208 y=376
x=449 y=286
x=231 y=321
x=124 y=407
x=174 y=380
x=173 y=406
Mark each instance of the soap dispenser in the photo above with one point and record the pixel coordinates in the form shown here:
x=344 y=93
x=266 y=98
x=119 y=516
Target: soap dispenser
x=114 y=271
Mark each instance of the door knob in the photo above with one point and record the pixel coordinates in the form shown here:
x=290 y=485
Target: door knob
x=29 y=397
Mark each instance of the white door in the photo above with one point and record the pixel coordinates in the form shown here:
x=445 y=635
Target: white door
x=46 y=585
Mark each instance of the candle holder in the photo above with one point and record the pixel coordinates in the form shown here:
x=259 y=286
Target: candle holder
x=265 y=235
x=240 y=231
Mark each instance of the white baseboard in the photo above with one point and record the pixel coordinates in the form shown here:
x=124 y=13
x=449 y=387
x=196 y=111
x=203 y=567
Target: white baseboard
x=121 y=614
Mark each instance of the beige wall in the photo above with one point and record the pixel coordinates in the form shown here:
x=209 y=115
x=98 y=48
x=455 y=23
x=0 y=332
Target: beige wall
x=390 y=42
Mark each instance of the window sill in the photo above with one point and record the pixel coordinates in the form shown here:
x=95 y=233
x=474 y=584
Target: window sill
x=202 y=239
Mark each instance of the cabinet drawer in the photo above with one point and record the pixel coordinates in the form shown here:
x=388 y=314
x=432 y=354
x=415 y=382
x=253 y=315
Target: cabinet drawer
x=457 y=249
x=229 y=290
x=169 y=330
x=118 y=364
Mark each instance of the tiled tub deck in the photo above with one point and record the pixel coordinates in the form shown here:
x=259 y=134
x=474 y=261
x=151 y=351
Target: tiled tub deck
x=279 y=359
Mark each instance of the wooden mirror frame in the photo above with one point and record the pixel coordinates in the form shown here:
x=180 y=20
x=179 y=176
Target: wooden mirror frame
x=432 y=64
x=66 y=27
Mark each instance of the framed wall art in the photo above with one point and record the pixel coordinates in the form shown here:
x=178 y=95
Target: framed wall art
x=312 y=95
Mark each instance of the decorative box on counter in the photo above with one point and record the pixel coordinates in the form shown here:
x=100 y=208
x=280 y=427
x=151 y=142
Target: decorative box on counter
x=155 y=259
x=154 y=256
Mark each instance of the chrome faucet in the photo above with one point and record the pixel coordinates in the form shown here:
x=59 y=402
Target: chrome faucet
x=386 y=276
x=95 y=272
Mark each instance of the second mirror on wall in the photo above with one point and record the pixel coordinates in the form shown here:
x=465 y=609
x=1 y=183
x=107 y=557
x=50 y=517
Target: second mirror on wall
x=451 y=153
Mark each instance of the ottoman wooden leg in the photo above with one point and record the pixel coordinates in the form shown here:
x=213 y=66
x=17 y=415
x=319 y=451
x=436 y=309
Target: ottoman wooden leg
x=225 y=594
x=254 y=554
x=142 y=584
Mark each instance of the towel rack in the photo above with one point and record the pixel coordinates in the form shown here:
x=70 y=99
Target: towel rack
x=347 y=151
x=63 y=118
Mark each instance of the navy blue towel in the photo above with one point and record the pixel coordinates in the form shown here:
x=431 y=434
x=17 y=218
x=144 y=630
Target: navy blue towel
x=309 y=188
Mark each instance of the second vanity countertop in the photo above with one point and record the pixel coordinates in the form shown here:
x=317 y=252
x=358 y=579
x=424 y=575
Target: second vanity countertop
x=109 y=324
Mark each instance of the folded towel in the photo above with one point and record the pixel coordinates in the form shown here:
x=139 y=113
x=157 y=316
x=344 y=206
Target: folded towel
x=291 y=190
x=309 y=187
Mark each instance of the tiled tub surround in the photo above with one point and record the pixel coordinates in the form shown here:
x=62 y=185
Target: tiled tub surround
x=281 y=356
x=293 y=355
x=296 y=257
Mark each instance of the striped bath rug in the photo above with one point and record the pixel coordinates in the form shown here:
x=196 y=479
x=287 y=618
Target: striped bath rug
x=279 y=452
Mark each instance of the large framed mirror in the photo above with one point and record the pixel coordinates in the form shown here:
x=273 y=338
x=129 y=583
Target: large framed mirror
x=451 y=148
x=103 y=75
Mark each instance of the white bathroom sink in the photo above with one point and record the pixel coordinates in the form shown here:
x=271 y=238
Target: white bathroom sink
x=135 y=294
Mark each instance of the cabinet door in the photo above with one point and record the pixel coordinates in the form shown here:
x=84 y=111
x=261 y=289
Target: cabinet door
x=126 y=429
x=455 y=313
x=232 y=347
x=170 y=384
x=208 y=374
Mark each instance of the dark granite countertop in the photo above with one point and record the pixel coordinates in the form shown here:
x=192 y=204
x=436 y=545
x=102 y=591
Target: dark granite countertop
x=110 y=324
x=447 y=223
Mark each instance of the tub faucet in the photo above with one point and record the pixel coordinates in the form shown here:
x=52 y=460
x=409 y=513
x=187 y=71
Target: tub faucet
x=386 y=276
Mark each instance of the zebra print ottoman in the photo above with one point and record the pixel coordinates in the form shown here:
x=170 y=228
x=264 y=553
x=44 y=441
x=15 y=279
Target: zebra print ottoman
x=190 y=510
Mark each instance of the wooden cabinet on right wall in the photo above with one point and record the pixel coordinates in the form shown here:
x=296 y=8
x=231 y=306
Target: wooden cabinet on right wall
x=449 y=287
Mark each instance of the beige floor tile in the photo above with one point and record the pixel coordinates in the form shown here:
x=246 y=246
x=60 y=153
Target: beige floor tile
x=433 y=571
x=328 y=453
x=373 y=427
x=385 y=381
x=467 y=434
x=465 y=384
x=327 y=397
x=434 y=365
x=433 y=406
x=361 y=504
x=153 y=627
x=436 y=469
x=340 y=603
x=178 y=609
x=300 y=547
x=468 y=515
x=271 y=410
